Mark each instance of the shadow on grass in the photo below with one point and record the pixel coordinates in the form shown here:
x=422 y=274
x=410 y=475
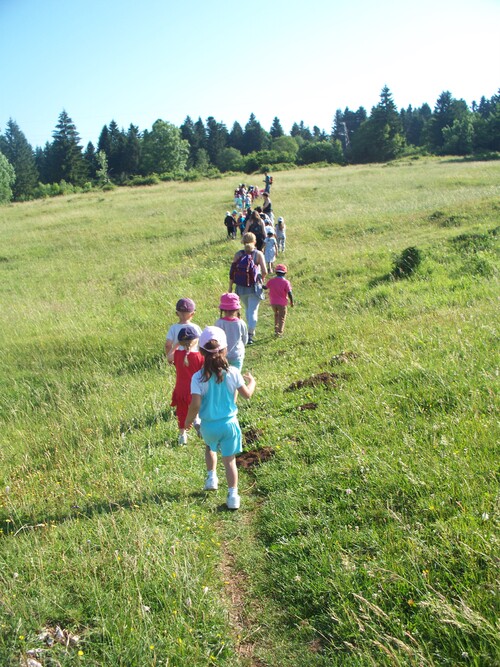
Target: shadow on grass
x=23 y=524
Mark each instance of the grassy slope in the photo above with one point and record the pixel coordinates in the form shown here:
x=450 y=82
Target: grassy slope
x=369 y=539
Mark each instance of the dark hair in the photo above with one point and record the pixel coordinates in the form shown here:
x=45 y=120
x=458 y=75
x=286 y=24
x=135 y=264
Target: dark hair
x=214 y=363
x=225 y=310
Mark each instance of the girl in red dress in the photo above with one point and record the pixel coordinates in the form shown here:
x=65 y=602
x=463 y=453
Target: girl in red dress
x=186 y=363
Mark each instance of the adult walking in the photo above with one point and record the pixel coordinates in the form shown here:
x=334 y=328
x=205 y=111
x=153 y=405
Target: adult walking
x=248 y=271
x=255 y=225
x=267 y=207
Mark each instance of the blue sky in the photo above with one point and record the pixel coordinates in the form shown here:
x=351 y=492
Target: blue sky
x=134 y=61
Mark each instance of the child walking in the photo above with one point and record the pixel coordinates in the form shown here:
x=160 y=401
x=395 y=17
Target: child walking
x=213 y=396
x=270 y=248
x=187 y=362
x=185 y=310
x=280 y=293
x=234 y=327
x=281 y=234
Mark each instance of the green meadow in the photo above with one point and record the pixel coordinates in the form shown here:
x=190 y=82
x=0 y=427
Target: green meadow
x=368 y=530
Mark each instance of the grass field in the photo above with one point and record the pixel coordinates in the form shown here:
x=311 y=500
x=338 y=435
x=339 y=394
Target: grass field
x=369 y=536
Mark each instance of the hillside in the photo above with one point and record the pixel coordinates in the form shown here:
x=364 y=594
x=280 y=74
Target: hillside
x=368 y=534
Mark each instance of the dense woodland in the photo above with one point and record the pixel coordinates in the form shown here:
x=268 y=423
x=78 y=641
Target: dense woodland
x=197 y=148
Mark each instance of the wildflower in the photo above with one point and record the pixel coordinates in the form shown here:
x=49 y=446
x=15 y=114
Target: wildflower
x=80 y=652
x=485 y=516
x=411 y=602
x=349 y=491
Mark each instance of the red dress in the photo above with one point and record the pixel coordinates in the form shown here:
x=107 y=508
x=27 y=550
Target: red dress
x=181 y=398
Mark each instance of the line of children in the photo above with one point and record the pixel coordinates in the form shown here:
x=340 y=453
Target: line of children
x=209 y=380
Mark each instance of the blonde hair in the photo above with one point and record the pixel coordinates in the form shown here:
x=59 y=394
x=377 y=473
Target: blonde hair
x=188 y=345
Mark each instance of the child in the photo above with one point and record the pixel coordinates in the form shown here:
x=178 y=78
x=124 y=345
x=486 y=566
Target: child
x=281 y=234
x=270 y=247
x=185 y=310
x=230 y=223
x=269 y=227
x=235 y=329
x=280 y=292
x=187 y=363
x=213 y=391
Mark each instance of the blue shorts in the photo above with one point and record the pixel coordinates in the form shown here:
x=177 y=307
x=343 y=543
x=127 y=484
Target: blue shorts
x=223 y=436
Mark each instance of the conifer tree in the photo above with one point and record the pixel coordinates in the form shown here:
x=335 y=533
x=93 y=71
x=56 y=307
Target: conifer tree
x=276 y=129
x=19 y=153
x=66 y=153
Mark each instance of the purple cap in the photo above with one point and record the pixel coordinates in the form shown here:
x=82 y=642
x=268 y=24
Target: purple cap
x=185 y=306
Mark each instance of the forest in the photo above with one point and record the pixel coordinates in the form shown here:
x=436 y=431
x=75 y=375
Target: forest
x=206 y=149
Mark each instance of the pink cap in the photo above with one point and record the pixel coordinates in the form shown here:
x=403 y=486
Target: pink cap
x=229 y=301
x=281 y=268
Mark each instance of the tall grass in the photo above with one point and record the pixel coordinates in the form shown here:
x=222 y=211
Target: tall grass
x=370 y=537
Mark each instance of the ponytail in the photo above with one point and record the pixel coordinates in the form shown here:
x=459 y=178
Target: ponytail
x=215 y=362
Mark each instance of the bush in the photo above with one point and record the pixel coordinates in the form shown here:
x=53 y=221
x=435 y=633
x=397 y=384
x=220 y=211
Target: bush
x=406 y=263
x=152 y=179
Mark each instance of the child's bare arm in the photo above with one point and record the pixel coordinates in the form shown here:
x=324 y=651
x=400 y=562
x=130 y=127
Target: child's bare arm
x=194 y=408
x=247 y=390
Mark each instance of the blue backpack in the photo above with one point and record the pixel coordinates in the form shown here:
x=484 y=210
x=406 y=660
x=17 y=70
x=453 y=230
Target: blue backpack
x=244 y=271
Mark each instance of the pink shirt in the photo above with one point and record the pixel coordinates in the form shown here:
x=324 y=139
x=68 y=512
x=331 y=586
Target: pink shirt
x=278 y=291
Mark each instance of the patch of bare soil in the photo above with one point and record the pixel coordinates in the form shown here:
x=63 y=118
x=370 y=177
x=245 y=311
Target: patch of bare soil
x=253 y=435
x=343 y=357
x=254 y=457
x=307 y=406
x=326 y=379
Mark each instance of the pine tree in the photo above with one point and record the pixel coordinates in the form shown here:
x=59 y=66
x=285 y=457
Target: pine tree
x=66 y=153
x=217 y=136
x=19 y=153
x=132 y=151
x=380 y=138
x=255 y=138
x=276 y=129
x=235 y=139
x=117 y=141
x=90 y=158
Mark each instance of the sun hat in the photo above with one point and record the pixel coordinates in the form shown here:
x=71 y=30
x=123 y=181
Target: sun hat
x=235 y=211
x=229 y=301
x=187 y=333
x=280 y=219
x=213 y=333
x=185 y=306
x=281 y=268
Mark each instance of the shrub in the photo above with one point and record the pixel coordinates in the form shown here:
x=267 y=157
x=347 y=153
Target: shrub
x=406 y=263
x=152 y=179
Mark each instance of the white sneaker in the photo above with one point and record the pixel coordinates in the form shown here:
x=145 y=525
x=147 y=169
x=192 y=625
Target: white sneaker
x=233 y=500
x=211 y=483
x=183 y=438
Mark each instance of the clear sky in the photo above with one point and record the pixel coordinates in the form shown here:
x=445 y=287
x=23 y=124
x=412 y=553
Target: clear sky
x=134 y=61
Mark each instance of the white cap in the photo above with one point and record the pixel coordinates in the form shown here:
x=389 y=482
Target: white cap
x=213 y=333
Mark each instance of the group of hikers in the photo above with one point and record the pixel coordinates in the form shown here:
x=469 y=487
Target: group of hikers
x=209 y=362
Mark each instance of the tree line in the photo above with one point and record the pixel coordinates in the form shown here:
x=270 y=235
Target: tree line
x=198 y=148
